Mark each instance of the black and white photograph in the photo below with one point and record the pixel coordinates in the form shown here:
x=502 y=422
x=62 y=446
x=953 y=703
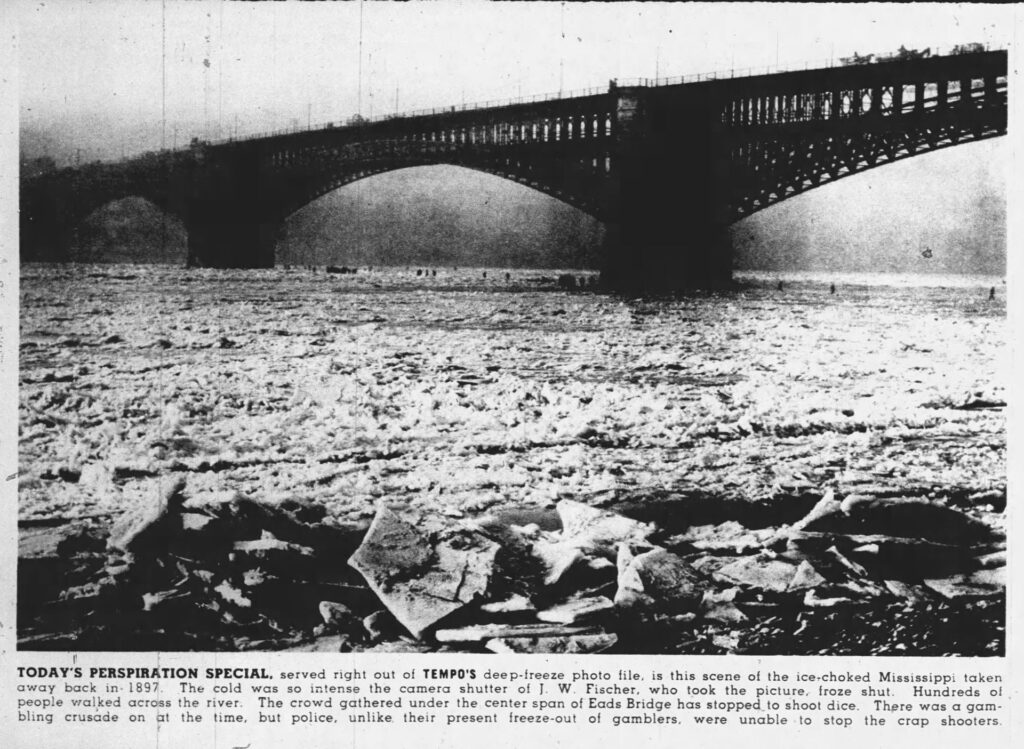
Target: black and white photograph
x=522 y=328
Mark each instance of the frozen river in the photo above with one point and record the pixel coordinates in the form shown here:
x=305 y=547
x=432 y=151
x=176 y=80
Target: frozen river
x=464 y=392
x=465 y=400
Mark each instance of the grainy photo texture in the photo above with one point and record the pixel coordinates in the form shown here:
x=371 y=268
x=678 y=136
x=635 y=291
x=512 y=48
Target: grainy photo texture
x=338 y=333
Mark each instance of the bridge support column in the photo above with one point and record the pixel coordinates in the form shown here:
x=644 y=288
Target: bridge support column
x=231 y=221
x=671 y=233
x=648 y=255
x=230 y=234
x=46 y=234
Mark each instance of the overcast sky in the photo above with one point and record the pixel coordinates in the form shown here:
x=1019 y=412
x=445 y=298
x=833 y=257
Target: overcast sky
x=108 y=75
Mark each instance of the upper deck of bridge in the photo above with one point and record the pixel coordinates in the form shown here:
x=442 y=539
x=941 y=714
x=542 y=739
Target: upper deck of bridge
x=733 y=82
x=812 y=77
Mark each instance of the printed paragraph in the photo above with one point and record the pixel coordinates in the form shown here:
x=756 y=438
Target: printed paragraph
x=732 y=696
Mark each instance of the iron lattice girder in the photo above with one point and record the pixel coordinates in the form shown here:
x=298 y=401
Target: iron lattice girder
x=979 y=107
x=560 y=167
x=871 y=77
x=772 y=162
x=832 y=158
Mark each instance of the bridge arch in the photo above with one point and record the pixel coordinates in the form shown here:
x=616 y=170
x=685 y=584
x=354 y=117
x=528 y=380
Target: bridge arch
x=872 y=222
x=771 y=169
x=520 y=171
x=56 y=209
x=130 y=229
x=440 y=214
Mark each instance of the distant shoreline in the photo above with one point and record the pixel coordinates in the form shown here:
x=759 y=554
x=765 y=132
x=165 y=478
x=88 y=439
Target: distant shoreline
x=843 y=278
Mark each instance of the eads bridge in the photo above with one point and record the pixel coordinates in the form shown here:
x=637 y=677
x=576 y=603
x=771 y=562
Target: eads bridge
x=666 y=167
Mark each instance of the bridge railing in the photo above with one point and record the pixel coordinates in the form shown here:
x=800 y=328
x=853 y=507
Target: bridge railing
x=464 y=107
x=832 y=62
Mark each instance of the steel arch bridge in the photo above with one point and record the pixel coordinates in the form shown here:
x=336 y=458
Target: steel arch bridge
x=666 y=167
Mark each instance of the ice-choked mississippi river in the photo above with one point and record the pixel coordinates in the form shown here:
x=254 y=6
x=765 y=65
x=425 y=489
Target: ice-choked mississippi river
x=817 y=472
x=462 y=392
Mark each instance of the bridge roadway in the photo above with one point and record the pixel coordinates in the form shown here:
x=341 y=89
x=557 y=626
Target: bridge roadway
x=667 y=168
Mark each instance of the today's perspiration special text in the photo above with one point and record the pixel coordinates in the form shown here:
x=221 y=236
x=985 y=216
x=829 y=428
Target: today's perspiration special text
x=726 y=696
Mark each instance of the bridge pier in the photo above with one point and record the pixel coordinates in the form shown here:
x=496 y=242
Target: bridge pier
x=659 y=252
x=231 y=221
x=45 y=233
x=668 y=233
x=231 y=234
